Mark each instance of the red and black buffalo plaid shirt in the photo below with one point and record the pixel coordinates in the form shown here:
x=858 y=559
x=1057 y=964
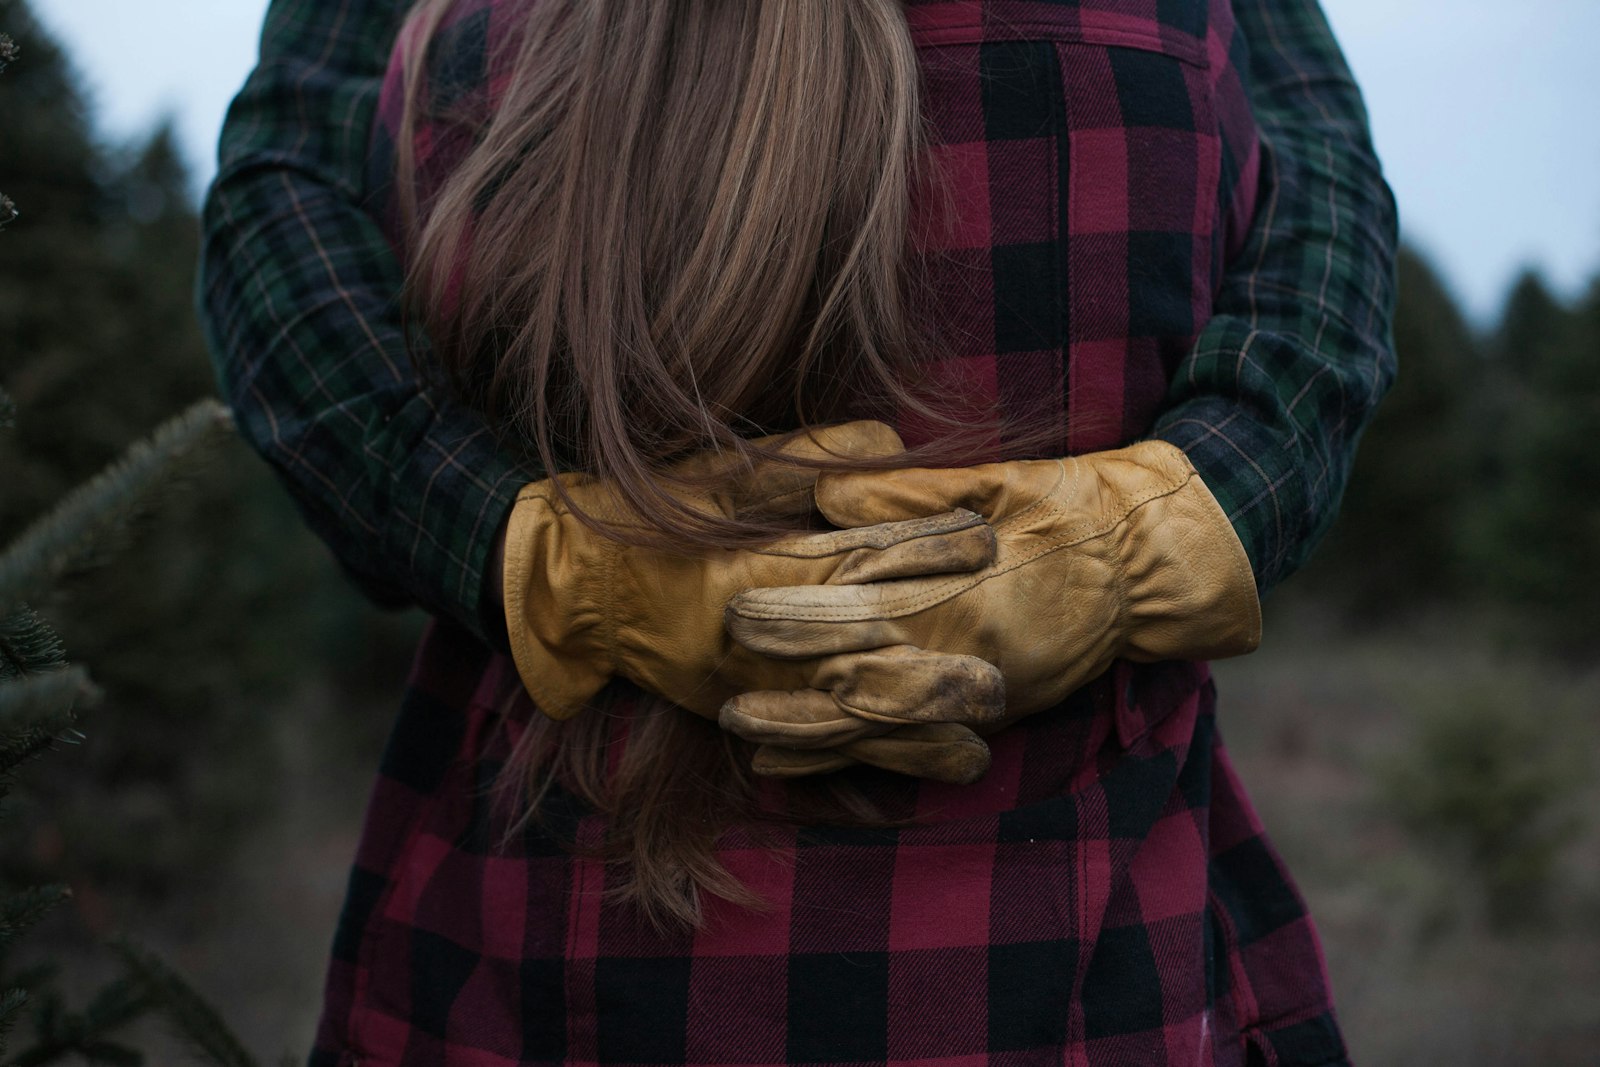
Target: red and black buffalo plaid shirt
x=1105 y=895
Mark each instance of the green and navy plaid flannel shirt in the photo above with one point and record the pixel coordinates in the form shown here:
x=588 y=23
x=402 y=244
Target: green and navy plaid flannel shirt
x=300 y=289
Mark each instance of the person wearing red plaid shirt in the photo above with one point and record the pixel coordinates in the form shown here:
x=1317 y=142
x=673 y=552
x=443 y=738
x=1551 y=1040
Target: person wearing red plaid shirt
x=1105 y=892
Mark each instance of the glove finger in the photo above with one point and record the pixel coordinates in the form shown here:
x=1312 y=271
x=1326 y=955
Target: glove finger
x=994 y=490
x=804 y=621
x=902 y=684
x=775 y=761
x=941 y=752
x=862 y=439
x=954 y=542
x=868 y=693
x=801 y=719
x=773 y=489
x=962 y=543
x=790 y=640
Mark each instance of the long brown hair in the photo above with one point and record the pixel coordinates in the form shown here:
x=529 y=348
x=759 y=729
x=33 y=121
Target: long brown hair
x=684 y=223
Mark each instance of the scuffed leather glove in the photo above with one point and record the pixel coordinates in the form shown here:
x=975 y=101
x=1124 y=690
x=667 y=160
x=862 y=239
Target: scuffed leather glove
x=1112 y=554
x=582 y=607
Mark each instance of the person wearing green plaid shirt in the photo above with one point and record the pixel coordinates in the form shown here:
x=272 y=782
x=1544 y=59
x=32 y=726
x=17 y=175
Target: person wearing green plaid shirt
x=1105 y=890
x=300 y=297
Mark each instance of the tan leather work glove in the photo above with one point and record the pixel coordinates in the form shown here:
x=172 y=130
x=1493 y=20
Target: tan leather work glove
x=582 y=607
x=1112 y=554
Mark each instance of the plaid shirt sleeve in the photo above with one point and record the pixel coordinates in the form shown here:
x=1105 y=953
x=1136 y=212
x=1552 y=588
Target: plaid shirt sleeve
x=298 y=295
x=1273 y=396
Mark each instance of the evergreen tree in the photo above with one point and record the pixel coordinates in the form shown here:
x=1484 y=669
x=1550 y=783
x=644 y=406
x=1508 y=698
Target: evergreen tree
x=98 y=342
x=1532 y=331
x=1539 y=541
x=41 y=695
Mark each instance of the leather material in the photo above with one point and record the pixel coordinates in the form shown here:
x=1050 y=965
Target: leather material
x=1112 y=554
x=582 y=608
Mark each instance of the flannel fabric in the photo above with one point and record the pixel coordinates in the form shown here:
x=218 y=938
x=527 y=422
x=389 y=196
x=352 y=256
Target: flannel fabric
x=1105 y=895
x=298 y=295
x=1275 y=392
x=1099 y=162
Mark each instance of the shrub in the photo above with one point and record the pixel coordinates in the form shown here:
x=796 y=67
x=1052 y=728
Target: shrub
x=1491 y=775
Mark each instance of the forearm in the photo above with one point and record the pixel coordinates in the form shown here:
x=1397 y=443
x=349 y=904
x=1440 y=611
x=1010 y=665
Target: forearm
x=299 y=294
x=406 y=489
x=1273 y=397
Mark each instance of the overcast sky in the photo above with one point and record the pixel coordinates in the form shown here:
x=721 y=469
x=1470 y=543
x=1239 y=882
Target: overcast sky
x=1486 y=112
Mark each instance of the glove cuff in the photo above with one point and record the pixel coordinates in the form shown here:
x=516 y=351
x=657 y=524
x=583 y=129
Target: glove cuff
x=1190 y=591
x=552 y=636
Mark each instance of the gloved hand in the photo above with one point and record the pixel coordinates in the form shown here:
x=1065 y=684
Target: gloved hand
x=1113 y=554
x=582 y=607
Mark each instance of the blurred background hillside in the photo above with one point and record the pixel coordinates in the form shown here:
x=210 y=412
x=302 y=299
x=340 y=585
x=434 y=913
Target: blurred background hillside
x=1421 y=729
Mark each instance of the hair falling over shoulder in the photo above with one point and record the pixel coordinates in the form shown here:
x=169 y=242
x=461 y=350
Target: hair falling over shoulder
x=684 y=223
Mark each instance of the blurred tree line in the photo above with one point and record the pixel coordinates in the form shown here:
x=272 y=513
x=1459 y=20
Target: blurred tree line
x=1470 y=536
x=225 y=616
x=1475 y=486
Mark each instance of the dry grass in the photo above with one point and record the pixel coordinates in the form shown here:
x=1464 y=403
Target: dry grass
x=1317 y=722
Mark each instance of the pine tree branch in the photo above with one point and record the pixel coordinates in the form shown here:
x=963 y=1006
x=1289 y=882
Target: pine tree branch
x=194 y=1019
x=39 y=704
x=92 y=518
x=37 y=711
x=17 y=751
x=11 y=1004
x=26 y=701
x=21 y=910
x=28 y=645
x=35 y=977
x=61 y=1034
